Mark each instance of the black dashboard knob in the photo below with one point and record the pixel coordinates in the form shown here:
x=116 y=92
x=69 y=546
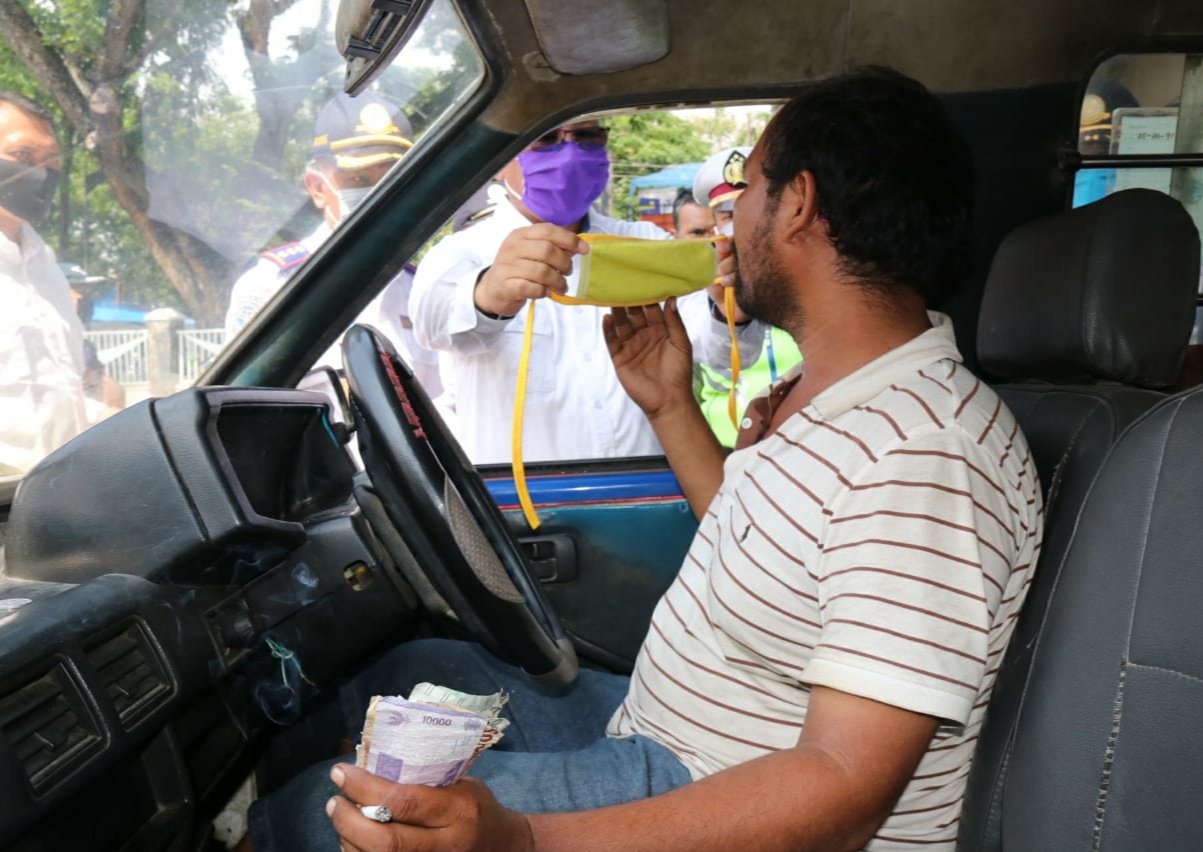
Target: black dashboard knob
x=236 y=628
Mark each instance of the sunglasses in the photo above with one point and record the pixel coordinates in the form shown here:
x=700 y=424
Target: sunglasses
x=579 y=135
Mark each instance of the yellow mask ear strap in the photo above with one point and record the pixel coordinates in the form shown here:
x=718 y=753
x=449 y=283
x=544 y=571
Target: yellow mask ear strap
x=729 y=309
x=565 y=299
x=519 y=467
x=528 y=507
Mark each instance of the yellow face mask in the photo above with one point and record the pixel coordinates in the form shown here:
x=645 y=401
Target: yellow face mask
x=623 y=272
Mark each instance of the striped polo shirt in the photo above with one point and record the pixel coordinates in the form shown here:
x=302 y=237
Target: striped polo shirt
x=880 y=542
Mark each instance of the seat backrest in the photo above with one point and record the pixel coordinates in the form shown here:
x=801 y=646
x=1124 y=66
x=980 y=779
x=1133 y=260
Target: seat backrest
x=1108 y=751
x=1087 y=313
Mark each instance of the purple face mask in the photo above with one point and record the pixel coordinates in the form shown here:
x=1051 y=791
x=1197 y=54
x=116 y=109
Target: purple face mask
x=562 y=180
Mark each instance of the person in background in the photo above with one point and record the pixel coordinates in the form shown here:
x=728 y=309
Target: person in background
x=691 y=220
x=100 y=388
x=356 y=141
x=1101 y=100
x=767 y=353
x=42 y=402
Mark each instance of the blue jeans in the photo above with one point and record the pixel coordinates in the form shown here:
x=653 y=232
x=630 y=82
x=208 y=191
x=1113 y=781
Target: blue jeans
x=555 y=755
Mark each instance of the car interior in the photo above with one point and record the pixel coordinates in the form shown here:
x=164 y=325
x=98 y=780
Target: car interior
x=186 y=584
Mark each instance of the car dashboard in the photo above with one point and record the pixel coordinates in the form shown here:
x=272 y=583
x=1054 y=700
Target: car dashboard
x=179 y=580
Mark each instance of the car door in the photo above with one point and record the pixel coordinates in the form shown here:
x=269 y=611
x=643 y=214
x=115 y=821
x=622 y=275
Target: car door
x=611 y=539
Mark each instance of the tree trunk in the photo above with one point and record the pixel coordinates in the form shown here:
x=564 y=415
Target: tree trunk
x=196 y=271
x=92 y=107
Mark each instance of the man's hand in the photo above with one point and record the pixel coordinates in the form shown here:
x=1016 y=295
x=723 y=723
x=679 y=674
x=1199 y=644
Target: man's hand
x=726 y=278
x=652 y=356
x=531 y=263
x=462 y=816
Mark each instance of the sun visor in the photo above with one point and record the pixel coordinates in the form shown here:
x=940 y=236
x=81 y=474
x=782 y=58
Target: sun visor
x=636 y=33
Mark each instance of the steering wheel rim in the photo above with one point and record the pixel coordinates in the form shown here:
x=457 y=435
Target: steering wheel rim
x=440 y=506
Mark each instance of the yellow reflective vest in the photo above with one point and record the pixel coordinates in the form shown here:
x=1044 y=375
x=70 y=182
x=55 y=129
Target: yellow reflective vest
x=778 y=355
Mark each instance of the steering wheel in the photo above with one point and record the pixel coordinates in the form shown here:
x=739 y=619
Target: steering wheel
x=448 y=520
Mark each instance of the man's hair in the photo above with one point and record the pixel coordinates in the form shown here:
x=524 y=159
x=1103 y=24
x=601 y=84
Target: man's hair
x=894 y=178
x=31 y=108
x=683 y=198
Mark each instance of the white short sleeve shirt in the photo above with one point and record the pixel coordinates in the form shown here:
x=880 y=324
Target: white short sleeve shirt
x=41 y=355
x=881 y=543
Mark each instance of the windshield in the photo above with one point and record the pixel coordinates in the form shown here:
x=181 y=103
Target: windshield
x=165 y=165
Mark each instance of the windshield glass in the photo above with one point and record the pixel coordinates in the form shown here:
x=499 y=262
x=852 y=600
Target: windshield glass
x=165 y=165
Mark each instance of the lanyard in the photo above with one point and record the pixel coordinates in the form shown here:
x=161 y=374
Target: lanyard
x=733 y=394
x=768 y=346
x=519 y=467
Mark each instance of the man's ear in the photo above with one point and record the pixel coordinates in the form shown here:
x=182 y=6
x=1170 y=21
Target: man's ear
x=802 y=199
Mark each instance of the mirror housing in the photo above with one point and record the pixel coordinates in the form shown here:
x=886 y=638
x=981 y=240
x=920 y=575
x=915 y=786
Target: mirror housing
x=370 y=33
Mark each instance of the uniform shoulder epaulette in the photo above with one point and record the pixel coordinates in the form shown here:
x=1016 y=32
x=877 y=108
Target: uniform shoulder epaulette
x=287 y=256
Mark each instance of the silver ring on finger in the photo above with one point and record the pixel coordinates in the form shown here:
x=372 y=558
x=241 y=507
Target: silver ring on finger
x=379 y=813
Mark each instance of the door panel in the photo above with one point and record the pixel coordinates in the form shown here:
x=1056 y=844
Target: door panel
x=610 y=542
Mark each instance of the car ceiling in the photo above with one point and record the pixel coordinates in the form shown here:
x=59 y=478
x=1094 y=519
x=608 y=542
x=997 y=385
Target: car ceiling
x=950 y=45
x=718 y=51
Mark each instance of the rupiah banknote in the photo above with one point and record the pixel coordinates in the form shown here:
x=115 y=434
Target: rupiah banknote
x=431 y=737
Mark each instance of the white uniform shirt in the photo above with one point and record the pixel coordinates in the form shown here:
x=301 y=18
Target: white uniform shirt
x=575 y=406
x=711 y=339
x=41 y=355
x=385 y=313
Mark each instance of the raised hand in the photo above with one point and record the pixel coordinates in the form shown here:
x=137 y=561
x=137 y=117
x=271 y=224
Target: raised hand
x=531 y=263
x=652 y=356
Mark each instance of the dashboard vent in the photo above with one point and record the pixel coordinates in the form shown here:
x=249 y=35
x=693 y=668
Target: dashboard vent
x=49 y=727
x=131 y=674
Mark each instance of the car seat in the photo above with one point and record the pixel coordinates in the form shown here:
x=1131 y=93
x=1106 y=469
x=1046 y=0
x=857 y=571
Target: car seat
x=1085 y=315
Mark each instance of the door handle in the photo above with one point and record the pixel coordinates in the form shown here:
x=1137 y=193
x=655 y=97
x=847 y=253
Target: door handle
x=551 y=558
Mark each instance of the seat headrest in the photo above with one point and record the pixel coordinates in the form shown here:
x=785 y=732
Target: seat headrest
x=1105 y=292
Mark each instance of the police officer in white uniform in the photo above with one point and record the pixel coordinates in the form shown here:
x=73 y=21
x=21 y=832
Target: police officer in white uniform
x=41 y=339
x=469 y=302
x=356 y=141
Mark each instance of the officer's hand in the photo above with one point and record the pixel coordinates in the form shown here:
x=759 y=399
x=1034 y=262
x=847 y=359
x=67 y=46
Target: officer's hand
x=531 y=263
x=726 y=278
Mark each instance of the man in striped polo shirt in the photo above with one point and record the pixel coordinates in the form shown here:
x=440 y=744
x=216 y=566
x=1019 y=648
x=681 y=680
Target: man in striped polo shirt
x=820 y=668
x=863 y=554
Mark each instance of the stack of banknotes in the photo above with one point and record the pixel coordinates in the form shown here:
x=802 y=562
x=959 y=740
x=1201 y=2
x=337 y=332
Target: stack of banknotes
x=430 y=738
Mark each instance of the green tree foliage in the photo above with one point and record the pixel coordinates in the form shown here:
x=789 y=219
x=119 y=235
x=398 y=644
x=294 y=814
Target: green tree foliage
x=183 y=157
x=725 y=128
x=646 y=142
x=90 y=61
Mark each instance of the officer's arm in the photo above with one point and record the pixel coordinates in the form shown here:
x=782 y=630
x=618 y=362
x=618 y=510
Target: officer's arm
x=441 y=304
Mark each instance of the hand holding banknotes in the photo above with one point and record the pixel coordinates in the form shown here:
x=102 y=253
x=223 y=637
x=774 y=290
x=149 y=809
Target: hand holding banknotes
x=409 y=747
x=463 y=815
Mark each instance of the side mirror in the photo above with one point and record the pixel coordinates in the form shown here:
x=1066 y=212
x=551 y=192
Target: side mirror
x=327 y=382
